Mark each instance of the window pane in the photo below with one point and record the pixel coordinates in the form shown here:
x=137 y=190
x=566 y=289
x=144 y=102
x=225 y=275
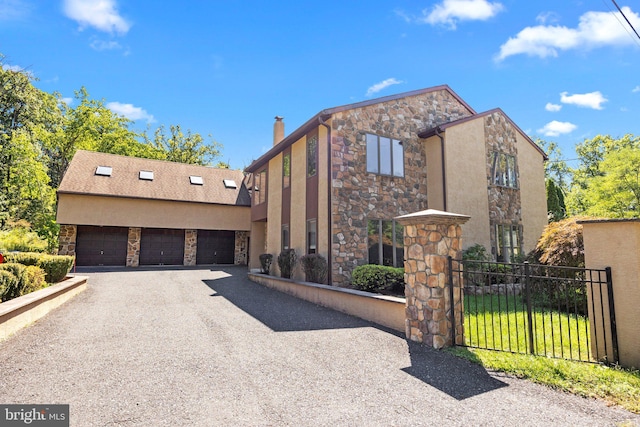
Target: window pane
x=372 y=153
x=285 y=237
x=286 y=169
x=311 y=236
x=495 y=169
x=511 y=171
x=312 y=145
x=262 y=187
x=398 y=158
x=399 y=245
x=373 y=241
x=385 y=156
x=387 y=243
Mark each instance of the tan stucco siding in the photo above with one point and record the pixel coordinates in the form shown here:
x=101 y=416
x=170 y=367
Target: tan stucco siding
x=466 y=180
x=532 y=192
x=274 y=215
x=121 y=212
x=435 y=189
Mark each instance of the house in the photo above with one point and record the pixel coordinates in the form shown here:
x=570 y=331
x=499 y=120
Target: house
x=334 y=185
x=126 y=211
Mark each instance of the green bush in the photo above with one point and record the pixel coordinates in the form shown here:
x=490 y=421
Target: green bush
x=35 y=279
x=24 y=258
x=7 y=281
x=21 y=239
x=561 y=243
x=286 y=262
x=315 y=268
x=265 y=263
x=16 y=288
x=56 y=267
x=376 y=278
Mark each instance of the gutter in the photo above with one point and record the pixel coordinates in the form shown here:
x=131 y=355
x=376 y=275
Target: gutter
x=444 y=174
x=329 y=219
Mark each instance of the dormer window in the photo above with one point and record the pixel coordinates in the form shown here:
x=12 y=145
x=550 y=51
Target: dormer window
x=196 y=180
x=103 y=170
x=146 y=175
x=229 y=183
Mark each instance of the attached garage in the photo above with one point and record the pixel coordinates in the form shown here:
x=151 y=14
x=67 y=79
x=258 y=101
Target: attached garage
x=161 y=247
x=101 y=245
x=215 y=247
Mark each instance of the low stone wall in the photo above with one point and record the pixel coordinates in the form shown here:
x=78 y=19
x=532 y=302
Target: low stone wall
x=381 y=309
x=22 y=311
x=501 y=289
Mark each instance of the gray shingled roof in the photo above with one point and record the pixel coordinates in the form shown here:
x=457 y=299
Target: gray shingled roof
x=170 y=180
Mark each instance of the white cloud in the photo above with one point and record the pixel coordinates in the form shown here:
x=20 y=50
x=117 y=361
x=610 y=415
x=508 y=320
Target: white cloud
x=100 y=45
x=13 y=10
x=67 y=100
x=15 y=68
x=636 y=89
x=587 y=100
x=545 y=17
x=556 y=128
x=130 y=111
x=449 y=12
x=382 y=85
x=100 y=14
x=552 y=107
x=595 y=29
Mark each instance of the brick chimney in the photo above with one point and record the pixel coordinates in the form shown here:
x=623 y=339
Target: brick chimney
x=278 y=130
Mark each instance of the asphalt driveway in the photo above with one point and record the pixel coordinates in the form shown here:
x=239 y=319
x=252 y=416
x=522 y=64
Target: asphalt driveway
x=207 y=347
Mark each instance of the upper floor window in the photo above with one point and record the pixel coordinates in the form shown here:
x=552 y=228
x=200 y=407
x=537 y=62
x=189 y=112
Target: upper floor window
x=260 y=187
x=286 y=169
x=503 y=170
x=385 y=156
x=312 y=155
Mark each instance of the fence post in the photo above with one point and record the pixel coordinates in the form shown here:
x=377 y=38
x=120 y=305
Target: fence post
x=451 y=298
x=527 y=288
x=612 y=314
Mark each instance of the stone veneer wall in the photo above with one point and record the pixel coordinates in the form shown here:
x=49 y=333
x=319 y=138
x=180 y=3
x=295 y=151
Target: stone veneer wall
x=67 y=240
x=133 y=246
x=504 y=202
x=358 y=196
x=190 y=247
x=241 y=248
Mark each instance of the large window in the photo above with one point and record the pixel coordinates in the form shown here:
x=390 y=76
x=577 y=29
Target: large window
x=385 y=156
x=386 y=243
x=507 y=242
x=312 y=233
x=286 y=169
x=503 y=170
x=312 y=155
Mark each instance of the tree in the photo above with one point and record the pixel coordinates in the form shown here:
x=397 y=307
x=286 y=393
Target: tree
x=555 y=168
x=183 y=148
x=555 y=201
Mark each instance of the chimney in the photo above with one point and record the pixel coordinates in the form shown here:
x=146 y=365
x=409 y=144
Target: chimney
x=278 y=130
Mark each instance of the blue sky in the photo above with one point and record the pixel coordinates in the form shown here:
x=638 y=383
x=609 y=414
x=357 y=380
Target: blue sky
x=563 y=71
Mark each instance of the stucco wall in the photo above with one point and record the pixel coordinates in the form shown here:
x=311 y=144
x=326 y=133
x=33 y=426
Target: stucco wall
x=120 y=212
x=274 y=216
x=533 y=196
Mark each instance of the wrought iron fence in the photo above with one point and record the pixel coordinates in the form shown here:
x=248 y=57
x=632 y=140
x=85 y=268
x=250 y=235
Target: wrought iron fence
x=559 y=312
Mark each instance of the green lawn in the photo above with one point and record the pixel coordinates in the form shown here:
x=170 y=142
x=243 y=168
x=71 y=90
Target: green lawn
x=501 y=323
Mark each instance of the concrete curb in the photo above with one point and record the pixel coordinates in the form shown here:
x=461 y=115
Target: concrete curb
x=381 y=309
x=22 y=311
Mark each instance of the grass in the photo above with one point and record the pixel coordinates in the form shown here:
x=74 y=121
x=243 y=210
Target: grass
x=499 y=322
x=612 y=384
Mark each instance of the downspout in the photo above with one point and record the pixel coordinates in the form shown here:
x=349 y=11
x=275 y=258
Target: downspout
x=444 y=174
x=329 y=181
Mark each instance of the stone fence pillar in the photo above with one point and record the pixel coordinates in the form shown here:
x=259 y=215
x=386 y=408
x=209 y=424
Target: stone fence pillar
x=616 y=244
x=429 y=238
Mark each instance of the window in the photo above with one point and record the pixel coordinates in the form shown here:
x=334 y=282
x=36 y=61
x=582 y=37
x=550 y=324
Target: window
x=146 y=175
x=196 y=180
x=285 y=236
x=312 y=155
x=507 y=242
x=286 y=170
x=503 y=170
x=385 y=156
x=260 y=187
x=229 y=183
x=103 y=170
x=312 y=232
x=386 y=243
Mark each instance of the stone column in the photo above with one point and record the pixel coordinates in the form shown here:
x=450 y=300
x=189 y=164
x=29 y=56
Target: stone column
x=190 y=247
x=67 y=240
x=241 y=250
x=429 y=238
x=133 y=247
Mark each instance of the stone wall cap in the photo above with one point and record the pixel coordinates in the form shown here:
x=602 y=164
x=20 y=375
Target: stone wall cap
x=607 y=220
x=432 y=216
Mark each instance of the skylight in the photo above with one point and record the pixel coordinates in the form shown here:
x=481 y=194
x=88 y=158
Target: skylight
x=146 y=175
x=103 y=170
x=196 y=180
x=229 y=183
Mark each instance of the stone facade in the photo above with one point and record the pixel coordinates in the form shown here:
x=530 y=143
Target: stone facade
x=428 y=240
x=133 y=246
x=504 y=202
x=67 y=240
x=358 y=196
x=190 y=247
x=241 y=248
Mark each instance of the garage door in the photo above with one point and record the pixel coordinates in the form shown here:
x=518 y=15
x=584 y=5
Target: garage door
x=101 y=245
x=161 y=247
x=215 y=247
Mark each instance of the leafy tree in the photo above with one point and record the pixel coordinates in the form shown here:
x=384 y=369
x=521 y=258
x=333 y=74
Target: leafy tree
x=556 y=208
x=555 y=168
x=562 y=244
x=184 y=148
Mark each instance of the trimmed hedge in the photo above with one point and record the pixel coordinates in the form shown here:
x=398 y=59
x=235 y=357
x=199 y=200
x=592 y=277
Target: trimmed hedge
x=24 y=258
x=315 y=268
x=265 y=263
x=15 y=288
x=287 y=261
x=376 y=278
x=7 y=281
x=36 y=279
x=56 y=267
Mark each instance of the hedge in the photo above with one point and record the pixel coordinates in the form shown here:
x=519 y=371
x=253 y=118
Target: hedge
x=16 y=286
x=315 y=268
x=7 y=281
x=375 y=278
x=55 y=267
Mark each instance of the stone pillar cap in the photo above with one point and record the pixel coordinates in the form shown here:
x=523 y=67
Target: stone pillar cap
x=432 y=216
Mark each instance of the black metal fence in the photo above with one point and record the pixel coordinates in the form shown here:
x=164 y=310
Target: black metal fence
x=559 y=312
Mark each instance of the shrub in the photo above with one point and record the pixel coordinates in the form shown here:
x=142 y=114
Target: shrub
x=375 y=278
x=476 y=252
x=21 y=239
x=286 y=262
x=56 y=267
x=561 y=244
x=7 y=282
x=16 y=288
x=35 y=277
x=24 y=258
x=265 y=263
x=315 y=268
